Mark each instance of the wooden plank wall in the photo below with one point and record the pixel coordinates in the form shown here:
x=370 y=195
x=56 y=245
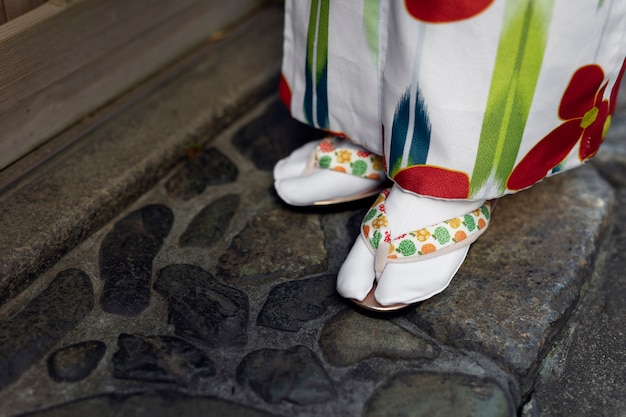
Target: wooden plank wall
x=10 y=9
x=64 y=59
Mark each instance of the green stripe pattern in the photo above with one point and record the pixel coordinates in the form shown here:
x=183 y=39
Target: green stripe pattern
x=316 y=77
x=518 y=62
x=371 y=19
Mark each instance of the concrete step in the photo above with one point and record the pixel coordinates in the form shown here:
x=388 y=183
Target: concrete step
x=150 y=283
x=66 y=199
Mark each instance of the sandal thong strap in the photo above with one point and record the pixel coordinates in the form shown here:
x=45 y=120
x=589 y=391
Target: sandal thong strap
x=429 y=241
x=332 y=154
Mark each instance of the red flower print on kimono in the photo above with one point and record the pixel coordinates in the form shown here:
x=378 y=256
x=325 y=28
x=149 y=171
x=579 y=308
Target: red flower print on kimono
x=444 y=11
x=284 y=92
x=586 y=119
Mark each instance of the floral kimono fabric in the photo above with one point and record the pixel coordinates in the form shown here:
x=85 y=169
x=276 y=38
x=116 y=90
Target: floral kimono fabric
x=465 y=99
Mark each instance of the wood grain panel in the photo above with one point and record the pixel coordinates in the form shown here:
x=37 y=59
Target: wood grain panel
x=15 y=8
x=61 y=63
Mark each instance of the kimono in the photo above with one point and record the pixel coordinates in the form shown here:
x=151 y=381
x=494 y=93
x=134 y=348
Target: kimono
x=464 y=99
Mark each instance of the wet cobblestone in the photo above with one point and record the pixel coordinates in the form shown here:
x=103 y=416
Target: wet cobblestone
x=268 y=139
x=430 y=394
x=587 y=361
x=126 y=255
x=202 y=169
x=149 y=404
x=75 y=362
x=202 y=308
x=295 y=375
x=217 y=299
x=350 y=338
x=272 y=245
x=292 y=304
x=208 y=226
x=160 y=359
x=30 y=334
x=527 y=277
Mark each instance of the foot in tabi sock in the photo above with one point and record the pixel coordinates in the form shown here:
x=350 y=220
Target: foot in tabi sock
x=329 y=171
x=409 y=249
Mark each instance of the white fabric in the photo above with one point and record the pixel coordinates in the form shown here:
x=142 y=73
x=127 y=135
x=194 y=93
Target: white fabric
x=453 y=67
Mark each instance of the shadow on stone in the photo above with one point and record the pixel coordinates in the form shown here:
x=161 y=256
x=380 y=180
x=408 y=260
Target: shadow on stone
x=209 y=226
x=275 y=244
x=424 y=394
x=126 y=256
x=207 y=167
x=160 y=359
x=75 y=362
x=292 y=304
x=272 y=136
x=350 y=337
x=149 y=404
x=202 y=308
x=29 y=335
x=294 y=375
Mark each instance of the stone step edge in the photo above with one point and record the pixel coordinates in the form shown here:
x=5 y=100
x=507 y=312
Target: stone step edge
x=68 y=198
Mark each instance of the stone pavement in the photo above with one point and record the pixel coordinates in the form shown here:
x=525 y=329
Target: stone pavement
x=208 y=296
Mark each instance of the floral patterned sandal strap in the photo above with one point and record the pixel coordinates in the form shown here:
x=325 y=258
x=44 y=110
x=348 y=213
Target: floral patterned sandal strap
x=429 y=241
x=332 y=154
